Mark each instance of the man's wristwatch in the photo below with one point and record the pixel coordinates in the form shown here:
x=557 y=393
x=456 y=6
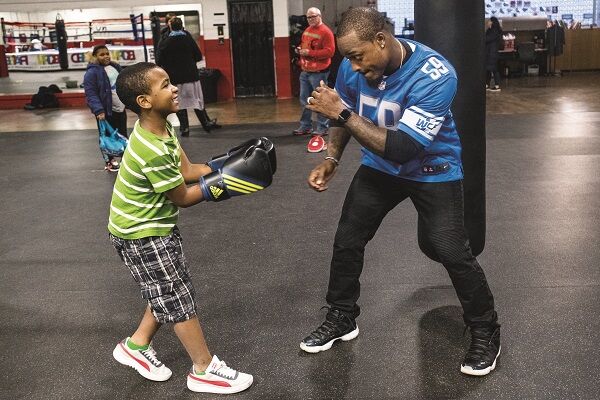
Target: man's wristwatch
x=344 y=116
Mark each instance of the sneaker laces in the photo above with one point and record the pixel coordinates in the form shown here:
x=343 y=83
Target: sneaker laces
x=330 y=325
x=481 y=339
x=150 y=354
x=221 y=369
x=151 y=349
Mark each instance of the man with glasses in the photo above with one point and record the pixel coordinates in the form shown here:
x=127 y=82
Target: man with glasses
x=316 y=50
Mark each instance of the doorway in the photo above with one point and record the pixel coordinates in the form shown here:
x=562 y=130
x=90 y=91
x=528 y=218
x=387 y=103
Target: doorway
x=251 y=33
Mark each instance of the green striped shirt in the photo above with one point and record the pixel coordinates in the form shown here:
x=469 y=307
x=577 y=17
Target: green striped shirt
x=149 y=167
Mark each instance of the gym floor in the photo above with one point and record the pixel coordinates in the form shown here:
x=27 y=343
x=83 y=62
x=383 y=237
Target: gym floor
x=260 y=264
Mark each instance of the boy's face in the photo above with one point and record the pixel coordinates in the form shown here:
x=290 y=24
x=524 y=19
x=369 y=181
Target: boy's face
x=163 y=96
x=103 y=56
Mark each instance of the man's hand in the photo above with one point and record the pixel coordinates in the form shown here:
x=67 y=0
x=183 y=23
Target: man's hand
x=101 y=116
x=325 y=101
x=322 y=174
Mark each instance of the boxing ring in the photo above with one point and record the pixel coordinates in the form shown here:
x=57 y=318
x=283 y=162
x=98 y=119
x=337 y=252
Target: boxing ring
x=68 y=45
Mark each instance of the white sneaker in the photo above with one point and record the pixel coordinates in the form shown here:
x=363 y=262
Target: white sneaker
x=143 y=361
x=218 y=378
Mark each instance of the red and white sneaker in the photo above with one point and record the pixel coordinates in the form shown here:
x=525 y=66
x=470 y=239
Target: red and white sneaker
x=218 y=378
x=143 y=361
x=302 y=131
x=316 y=144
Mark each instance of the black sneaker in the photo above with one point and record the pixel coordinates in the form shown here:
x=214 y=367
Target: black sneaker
x=337 y=325
x=484 y=351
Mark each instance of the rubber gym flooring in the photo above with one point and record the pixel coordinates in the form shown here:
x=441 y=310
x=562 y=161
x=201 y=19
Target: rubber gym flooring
x=260 y=265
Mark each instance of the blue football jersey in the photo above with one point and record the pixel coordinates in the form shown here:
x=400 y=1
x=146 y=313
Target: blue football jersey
x=415 y=100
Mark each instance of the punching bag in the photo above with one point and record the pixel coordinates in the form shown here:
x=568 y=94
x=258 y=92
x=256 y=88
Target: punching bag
x=155 y=28
x=61 y=42
x=456 y=29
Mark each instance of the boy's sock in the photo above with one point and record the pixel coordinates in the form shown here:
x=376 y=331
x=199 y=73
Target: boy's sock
x=134 y=346
x=199 y=372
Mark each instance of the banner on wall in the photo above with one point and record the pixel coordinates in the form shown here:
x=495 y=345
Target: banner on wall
x=48 y=60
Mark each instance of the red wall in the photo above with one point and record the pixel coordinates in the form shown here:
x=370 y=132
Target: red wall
x=283 y=70
x=218 y=56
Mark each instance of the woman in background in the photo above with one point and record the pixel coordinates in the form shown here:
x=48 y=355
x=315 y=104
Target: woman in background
x=178 y=55
x=493 y=40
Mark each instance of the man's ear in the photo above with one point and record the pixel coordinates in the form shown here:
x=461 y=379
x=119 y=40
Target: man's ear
x=143 y=101
x=380 y=39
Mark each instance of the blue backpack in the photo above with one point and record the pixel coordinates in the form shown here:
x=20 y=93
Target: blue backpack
x=112 y=143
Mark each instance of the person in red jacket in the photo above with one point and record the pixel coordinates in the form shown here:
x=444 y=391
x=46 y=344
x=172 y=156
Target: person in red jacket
x=316 y=50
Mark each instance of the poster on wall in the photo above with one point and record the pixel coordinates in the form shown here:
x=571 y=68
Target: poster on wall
x=48 y=60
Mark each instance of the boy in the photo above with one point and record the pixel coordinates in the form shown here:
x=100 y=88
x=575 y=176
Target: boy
x=149 y=188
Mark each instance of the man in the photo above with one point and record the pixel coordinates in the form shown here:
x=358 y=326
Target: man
x=316 y=50
x=393 y=96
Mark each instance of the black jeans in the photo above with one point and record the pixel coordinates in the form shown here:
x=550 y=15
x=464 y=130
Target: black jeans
x=441 y=233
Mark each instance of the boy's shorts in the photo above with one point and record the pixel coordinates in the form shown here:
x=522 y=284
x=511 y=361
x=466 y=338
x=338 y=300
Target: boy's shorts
x=157 y=264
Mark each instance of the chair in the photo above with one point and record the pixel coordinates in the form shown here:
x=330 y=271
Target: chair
x=527 y=56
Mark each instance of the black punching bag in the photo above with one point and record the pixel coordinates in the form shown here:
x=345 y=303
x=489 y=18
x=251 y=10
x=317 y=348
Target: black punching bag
x=456 y=29
x=155 y=28
x=61 y=42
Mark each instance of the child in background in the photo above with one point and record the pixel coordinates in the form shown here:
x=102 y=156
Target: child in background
x=101 y=95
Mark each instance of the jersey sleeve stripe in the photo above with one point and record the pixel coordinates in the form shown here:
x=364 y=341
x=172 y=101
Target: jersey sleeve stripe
x=425 y=114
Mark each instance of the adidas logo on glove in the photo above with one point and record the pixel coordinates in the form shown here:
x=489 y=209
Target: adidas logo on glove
x=216 y=192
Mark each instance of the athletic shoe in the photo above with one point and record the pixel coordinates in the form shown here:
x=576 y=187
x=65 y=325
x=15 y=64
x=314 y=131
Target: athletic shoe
x=302 y=131
x=337 y=326
x=484 y=351
x=320 y=133
x=112 y=165
x=218 y=378
x=143 y=361
x=316 y=144
x=495 y=89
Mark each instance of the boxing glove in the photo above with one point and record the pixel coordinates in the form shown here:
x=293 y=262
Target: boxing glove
x=264 y=143
x=244 y=172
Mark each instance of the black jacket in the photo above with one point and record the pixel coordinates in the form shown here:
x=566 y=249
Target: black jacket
x=178 y=56
x=493 y=39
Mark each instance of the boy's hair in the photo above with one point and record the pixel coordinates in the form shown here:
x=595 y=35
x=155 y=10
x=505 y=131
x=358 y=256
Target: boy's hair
x=365 y=21
x=176 y=24
x=133 y=82
x=97 y=48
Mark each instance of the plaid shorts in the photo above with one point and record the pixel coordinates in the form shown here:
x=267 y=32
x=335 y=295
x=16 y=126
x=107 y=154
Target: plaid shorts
x=157 y=264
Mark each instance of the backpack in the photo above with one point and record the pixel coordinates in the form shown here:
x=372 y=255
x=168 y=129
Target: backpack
x=44 y=98
x=112 y=143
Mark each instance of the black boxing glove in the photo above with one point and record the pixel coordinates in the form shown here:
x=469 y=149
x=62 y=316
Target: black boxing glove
x=244 y=172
